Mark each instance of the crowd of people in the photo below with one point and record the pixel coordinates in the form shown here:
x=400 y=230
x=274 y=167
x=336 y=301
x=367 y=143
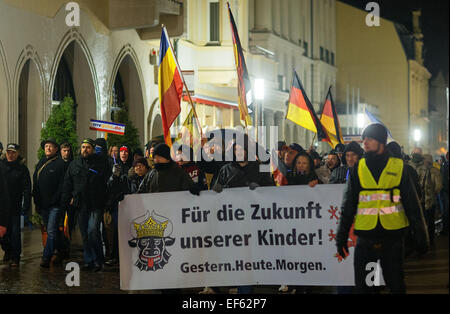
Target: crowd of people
x=85 y=190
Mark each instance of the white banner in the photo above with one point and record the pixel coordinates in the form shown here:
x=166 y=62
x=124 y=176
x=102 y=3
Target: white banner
x=269 y=236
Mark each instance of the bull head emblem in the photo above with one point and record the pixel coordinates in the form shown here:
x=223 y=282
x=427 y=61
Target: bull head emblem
x=151 y=235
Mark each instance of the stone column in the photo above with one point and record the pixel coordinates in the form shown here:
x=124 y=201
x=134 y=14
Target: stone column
x=263 y=15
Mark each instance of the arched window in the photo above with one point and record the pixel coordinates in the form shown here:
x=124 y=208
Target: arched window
x=118 y=95
x=63 y=83
x=64 y=86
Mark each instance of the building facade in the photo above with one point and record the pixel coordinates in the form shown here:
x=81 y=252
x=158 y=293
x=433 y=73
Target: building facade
x=384 y=65
x=109 y=60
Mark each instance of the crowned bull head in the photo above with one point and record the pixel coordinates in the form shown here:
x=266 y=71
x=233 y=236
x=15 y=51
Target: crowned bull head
x=151 y=237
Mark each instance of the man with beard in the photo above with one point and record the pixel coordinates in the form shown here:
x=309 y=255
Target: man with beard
x=85 y=184
x=332 y=163
x=48 y=179
x=379 y=200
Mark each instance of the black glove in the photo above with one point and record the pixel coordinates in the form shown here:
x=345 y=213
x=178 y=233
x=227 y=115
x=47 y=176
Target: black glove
x=218 y=188
x=341 y=245
x=195 y=190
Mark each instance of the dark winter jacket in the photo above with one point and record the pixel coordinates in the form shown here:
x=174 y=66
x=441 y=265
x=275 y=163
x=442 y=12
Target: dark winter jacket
x=376 y=165
x=19 y=186
x=118 y=187
x=166 y=178
x=339 y=175
x=47 y=186
x=233 y=175
x=85 y=182
x=4 y=199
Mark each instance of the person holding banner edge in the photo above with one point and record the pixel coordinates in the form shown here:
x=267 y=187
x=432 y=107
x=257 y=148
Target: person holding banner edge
x=379 y=200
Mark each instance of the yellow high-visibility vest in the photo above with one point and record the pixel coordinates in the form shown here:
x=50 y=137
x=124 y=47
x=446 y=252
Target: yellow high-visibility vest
x=381 y=200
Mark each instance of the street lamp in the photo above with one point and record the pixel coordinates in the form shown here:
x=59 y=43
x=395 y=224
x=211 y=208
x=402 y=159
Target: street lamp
x=361 y=120
x=417 y=136
x=259 y=97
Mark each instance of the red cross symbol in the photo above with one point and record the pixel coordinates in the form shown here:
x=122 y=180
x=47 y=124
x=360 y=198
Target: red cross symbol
x=333 y=211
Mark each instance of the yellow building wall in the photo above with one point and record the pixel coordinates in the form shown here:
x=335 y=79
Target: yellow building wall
x=373 y=59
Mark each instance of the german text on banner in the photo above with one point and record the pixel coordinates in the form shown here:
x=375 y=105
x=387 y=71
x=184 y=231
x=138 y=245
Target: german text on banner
x=268 y=236
x=108 y=127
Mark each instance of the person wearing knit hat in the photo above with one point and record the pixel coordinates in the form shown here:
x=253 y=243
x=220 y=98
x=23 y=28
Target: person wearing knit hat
x=89 y=141
x=142 y=161
x=377 y=132
x=166 y=176
x=379 y=225
x=161 y=150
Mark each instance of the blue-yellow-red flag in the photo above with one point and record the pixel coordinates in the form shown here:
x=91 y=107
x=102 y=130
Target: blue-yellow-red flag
x=170 y=85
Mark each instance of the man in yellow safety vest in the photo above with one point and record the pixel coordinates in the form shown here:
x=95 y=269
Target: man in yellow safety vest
x=379 y=199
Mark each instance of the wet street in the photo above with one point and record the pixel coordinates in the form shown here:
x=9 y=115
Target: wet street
x=428 y=275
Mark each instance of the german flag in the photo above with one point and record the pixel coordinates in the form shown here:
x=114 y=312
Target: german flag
x=330 y=121
x=301 y=111
x=244 y=86
x=170 y=85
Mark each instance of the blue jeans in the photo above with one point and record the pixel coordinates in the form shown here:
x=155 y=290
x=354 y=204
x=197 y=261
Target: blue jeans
x=52 y=218
x=245 y=289
x=89 y=222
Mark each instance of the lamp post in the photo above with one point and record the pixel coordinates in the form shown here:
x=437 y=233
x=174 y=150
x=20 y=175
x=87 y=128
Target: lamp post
x=259 y=97
x=417 y=136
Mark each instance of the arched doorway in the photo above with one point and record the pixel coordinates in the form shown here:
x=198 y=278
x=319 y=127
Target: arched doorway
x=157 y=127
x=127 y=91
x=74 y=78
x=30 y=114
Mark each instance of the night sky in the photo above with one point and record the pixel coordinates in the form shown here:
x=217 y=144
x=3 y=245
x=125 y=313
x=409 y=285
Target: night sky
x=435 y=25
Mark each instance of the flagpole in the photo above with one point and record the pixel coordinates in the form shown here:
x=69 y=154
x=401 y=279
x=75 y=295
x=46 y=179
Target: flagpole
x=182 y=78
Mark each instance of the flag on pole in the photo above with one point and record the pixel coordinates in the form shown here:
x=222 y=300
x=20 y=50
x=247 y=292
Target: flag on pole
x=244 y=86
x=278 y=169
x=170 y=85
x=301 y=111
x=370 y=118
x=190 y=133
x=330 y=121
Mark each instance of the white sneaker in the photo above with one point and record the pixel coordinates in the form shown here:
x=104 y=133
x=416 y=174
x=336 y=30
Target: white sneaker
x=207 y=290
x=283 y=288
